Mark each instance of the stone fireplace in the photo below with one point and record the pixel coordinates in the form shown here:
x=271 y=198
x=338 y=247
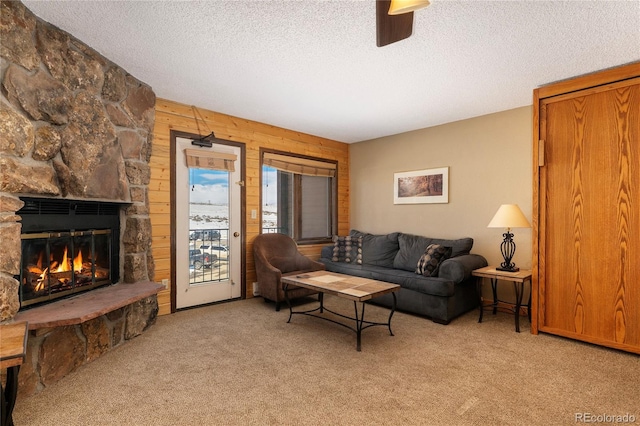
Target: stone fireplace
x=74 y=127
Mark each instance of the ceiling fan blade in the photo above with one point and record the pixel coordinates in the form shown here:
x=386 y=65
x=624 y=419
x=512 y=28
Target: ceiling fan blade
x=391 y=28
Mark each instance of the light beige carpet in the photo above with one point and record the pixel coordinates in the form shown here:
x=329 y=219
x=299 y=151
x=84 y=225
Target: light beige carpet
x=240 y=363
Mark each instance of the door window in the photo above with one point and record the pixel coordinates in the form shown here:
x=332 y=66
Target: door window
x=208 y=224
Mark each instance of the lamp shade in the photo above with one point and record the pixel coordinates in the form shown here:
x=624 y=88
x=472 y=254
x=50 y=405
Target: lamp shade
x=509 y=216
x=404 y=6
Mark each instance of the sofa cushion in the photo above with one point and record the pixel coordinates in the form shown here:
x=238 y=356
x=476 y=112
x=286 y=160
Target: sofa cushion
x=431 y=259
x=428 y=285
x=411 y=248
x=379 y=250
x=347 y=249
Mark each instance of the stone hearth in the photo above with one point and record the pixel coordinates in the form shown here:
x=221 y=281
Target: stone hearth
x=70 y=332
x=72 y=125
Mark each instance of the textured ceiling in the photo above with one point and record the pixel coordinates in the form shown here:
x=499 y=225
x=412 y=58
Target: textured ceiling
x=314 y=67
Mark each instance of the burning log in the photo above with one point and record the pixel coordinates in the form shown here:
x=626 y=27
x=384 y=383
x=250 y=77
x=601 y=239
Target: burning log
x=62 y=276
x=40 y=281
x=101 y=273
x=33 y=269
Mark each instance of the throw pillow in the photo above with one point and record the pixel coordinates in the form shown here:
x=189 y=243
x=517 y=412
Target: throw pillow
x=430 y=261
x=347 y=249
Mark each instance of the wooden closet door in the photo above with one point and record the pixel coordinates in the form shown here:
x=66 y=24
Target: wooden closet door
x=589 y=215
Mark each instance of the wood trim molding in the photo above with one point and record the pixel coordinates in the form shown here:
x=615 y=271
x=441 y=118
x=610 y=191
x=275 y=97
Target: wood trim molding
x=597 y=78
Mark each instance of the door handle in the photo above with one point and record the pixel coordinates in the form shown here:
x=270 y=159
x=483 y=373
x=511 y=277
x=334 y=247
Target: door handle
x=236 y=234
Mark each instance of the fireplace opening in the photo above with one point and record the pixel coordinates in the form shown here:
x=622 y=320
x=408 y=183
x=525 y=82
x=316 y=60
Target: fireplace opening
x=68 y=246
x=59 y=264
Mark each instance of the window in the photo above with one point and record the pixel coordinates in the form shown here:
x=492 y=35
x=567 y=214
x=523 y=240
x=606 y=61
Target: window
x=298 y=197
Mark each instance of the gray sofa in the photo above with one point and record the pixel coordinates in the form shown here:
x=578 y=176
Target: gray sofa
x=393 y=258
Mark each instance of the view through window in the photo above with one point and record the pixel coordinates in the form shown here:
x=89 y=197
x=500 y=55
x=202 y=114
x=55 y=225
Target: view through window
x=298 y=197
x=208 y=225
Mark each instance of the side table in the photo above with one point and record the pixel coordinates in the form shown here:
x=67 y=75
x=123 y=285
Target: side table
x=517 y=278
x=13 y=348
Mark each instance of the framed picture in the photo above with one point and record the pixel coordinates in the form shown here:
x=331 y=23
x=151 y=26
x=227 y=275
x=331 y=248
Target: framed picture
x=421 y=186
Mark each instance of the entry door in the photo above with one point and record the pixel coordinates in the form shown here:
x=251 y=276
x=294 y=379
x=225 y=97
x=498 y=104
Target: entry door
x=208 y=223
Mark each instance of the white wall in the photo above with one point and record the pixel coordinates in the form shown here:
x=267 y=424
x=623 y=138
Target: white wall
x=490 y=164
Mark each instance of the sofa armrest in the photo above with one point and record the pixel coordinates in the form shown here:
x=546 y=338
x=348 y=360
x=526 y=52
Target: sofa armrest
x=459 y=268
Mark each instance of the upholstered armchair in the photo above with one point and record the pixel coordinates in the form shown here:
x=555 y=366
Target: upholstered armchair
x=277 y=255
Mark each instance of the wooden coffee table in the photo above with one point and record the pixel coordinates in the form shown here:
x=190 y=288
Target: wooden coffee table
x=346 y=286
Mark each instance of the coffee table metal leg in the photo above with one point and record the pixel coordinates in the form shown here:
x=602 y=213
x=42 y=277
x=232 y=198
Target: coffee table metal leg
x=285 y=289
x=359 y=321
x=393 y=309
x=361 y=324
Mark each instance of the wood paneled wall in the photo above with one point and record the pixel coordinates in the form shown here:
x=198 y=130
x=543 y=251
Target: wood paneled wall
x=175 y=116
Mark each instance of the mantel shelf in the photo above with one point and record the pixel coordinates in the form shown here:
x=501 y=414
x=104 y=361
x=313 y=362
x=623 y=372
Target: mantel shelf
x=87 y=306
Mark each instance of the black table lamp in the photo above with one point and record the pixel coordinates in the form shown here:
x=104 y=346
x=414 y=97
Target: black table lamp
x=508 y=216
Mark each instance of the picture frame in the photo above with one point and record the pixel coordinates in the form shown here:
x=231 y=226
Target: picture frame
x=421 y=186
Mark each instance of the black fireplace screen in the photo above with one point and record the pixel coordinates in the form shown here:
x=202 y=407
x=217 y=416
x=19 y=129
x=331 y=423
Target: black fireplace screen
x=68 y=246
x=58 y=264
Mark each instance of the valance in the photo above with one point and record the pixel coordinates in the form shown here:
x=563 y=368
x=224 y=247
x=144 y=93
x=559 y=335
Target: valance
x=210 y=159
x=297 y=165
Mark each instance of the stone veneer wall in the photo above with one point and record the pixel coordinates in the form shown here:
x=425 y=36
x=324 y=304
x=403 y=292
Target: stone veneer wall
x=52 y=353
x=74 y=125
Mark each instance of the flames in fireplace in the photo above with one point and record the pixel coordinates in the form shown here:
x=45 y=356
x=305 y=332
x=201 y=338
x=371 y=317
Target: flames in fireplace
x=63 y=271
x=55 y=264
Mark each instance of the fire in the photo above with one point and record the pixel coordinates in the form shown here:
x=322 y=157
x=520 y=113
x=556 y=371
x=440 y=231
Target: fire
x=77 y=262
x=66 y=265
